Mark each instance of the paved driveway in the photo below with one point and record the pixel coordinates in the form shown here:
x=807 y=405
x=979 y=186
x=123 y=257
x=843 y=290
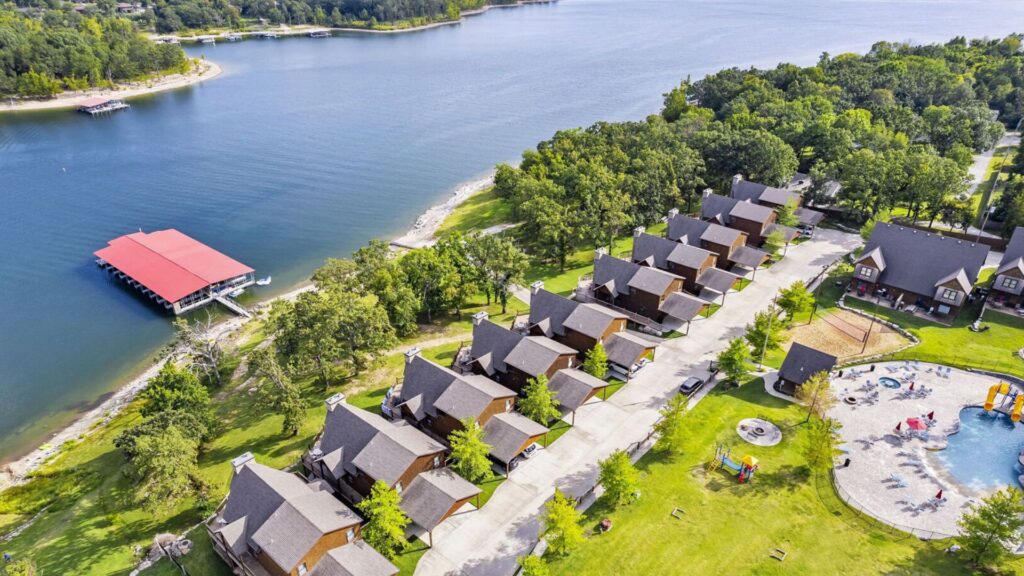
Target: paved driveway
x=488 y=541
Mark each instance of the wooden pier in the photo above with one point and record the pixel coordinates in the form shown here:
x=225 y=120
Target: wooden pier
x=100 y=106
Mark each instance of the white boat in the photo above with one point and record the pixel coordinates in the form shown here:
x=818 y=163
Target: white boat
x=264 y=281
x=236 y=293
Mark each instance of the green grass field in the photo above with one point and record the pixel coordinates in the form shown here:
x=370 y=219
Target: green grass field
x=730 y=528
x=479 y=212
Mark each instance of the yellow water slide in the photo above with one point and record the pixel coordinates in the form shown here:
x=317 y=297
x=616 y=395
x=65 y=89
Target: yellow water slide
x=1001 y=388
x=1018 y=405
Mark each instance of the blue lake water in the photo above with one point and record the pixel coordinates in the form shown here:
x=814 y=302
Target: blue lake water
x=305 y=149
x=983 y=454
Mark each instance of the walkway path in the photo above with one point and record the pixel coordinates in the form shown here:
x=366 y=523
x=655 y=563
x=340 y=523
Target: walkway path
x=487 y=542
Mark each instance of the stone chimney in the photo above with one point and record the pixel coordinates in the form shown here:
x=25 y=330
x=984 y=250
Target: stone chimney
x=411 y=353
x=639 y=230
x=600 y=253
x=707 y=192
x=479 y=317
x=673 y=213
x=334 y=400
x=242 y=460
x=736 y=179
x=536 y=286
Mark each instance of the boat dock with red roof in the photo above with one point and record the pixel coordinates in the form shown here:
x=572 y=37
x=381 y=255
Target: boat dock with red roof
x=100 y=105
x=176 y=271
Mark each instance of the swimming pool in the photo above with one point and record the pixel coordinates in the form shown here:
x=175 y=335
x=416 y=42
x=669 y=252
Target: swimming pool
x=983 y=454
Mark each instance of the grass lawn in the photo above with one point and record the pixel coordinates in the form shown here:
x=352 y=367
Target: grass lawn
x=989 y=189
x=729 y=527
x=478 y=212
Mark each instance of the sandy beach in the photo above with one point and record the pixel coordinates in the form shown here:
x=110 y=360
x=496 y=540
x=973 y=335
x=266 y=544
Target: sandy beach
x=421 y=234
x=204 y=70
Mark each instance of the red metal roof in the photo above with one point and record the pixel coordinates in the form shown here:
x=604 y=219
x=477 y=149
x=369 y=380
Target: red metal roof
x=93 y=102
x=170 y=263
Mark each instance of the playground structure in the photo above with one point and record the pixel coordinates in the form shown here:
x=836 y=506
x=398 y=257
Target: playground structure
x=745 y=468
x=1010 y=396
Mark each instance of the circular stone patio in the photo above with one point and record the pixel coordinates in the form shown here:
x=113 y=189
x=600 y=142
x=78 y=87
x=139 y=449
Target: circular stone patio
x=893 y=475
x=759 y=432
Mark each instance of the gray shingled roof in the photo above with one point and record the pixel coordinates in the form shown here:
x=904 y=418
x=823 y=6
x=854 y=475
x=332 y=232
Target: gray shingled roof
x=624 y=349
x=430 y=497
x=279 y=512
x=788 y=234
x=550 y=308
x=662 y=251
x=746 y=190
x=614 y=274
x=508 y=432
x=1014 y=255
x=682 y=306
x=802 y=362
x=748 y=257
x=717 y=280
x=383 y=450
x=751 y=211
x=916 y=260
x=470 y=395
x=354 y=559
x=573 y=387
x=426 y=381
x=535 y=355
x=682 y=228
x=876 y=256
x=652 y=280
x=492 y=344
x=723 y=209
x=809 y=217
x=591 y=319
x=756 y=192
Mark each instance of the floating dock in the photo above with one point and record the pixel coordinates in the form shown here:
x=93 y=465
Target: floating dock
x=99 y=106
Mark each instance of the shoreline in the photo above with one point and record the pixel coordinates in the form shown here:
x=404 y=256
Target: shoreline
x=302 y=29
x=205 y=70
x=420 y=234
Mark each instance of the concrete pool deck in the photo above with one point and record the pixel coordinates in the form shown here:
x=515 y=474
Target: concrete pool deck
x=877 y=451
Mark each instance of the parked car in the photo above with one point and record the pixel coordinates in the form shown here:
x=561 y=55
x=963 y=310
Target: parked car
x=691 y=385
x=530 y=450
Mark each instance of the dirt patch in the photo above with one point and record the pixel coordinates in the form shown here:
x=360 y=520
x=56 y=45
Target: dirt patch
x=840 y=334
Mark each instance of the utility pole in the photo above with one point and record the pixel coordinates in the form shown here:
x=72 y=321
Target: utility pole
x=870 y=326
x=764 y=345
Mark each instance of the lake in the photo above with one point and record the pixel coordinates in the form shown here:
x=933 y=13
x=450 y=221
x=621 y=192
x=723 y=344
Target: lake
x=305 y=149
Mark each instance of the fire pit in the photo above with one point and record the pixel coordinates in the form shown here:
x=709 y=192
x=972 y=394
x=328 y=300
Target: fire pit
x=759 y=432
x=851 y=400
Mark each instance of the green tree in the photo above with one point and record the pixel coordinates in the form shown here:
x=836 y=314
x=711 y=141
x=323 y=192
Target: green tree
x=619 y=477
x=307 y=332
x=452 y=11
x=277 y=390
x=596 y=361
x=787 y=214
x=538 y=403
x=533 y=566
x=795 y=300
x=822 y=438
x=191 y=426
x=671 y=428
x=385 y=520
x=983 y=530
x=469 y=452
x=733 y=361
x=380 y=273
x=816 y=395
x=433 y=279
x=560 y=524
x=766 y=333
x=499 y=263
x=26 y=567
x=774 y=242
x=174 y=388
x=165 y=469
x=34 y=84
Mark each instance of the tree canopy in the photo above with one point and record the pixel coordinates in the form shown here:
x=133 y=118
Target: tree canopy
x=385 y=520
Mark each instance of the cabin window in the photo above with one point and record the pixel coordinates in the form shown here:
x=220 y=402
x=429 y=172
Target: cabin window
x=302 y=569
x=866 y=272
x=949 y=294
x=350 y=535
x=398 y=487
x=1011 y=283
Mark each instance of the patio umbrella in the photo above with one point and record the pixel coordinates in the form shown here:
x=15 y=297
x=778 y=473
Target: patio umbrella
x=899 y=426
x=931 y=415
x=911 y=385
x=939 y=495
x=916 y=424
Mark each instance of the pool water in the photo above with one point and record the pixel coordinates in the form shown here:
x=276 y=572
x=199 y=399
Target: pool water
x=889 y=382
x=983 y=454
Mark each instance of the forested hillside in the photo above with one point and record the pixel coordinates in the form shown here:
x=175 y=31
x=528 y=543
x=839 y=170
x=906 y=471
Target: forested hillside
x=896 y=127
x=64 y=50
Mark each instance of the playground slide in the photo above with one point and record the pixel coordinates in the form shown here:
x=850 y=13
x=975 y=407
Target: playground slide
x=732 y=465
x=1018 y=406
x=1001 y=388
